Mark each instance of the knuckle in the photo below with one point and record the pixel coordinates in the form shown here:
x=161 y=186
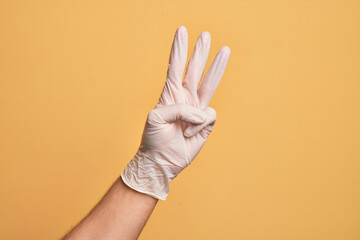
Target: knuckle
x=212 y=113
x=152 y=116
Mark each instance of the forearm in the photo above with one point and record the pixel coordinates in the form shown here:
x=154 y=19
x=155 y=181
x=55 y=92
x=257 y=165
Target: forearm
x=121 y=214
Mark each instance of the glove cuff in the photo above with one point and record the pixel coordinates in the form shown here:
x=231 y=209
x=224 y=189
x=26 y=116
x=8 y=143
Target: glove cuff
x=144 y=174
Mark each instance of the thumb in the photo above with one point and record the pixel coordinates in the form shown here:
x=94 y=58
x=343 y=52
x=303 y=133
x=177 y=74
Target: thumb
x=177 y=112
x=206 y=127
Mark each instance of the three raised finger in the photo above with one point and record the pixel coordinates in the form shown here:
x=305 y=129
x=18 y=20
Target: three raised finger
x=213 y=76
x=172 y=91
x=196 y=66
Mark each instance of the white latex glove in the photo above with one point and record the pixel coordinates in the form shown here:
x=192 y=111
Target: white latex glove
x=177 y=128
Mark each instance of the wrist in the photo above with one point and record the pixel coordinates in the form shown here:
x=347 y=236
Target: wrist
x=149 y=175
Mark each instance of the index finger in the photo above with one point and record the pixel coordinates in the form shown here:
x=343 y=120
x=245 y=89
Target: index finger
x=173 y=92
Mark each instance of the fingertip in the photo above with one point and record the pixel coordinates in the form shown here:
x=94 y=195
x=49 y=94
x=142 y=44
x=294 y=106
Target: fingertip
x=225 y=50
x=205 y=37
x=212 y=112
x=181 y=28
x=182 y=31
x=186 y=134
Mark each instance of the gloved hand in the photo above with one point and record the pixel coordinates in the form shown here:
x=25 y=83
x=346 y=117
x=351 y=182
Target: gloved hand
x=178 y=126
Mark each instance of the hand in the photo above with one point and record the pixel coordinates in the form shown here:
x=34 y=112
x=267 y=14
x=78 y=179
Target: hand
x=178 y=126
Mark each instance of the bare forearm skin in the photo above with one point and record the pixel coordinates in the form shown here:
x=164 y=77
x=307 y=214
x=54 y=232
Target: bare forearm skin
x=121 y=214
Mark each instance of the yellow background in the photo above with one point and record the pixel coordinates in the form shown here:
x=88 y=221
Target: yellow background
x=77 y=79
